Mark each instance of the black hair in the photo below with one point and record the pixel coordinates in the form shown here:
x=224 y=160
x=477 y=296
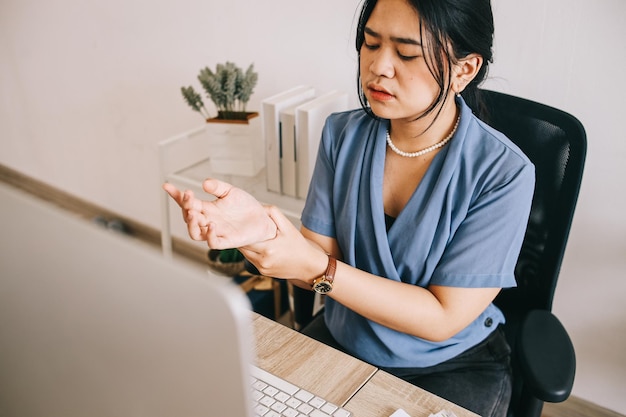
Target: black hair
x=466 y=25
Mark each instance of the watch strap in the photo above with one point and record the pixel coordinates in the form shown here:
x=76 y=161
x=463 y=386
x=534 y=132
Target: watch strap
x=329 y=275
x=324 y=284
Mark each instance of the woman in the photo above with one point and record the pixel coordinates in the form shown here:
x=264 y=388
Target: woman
x=416 y=210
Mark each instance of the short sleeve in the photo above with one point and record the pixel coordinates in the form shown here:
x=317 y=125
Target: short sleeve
x=483 y=250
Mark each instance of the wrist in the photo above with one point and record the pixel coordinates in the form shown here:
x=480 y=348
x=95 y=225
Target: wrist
x=316 y=268
x=324 y=283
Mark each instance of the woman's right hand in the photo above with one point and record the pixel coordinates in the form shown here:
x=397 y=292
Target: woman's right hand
x=231 y=220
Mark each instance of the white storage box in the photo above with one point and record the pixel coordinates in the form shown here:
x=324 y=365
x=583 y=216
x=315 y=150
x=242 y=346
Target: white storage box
x=235 y=148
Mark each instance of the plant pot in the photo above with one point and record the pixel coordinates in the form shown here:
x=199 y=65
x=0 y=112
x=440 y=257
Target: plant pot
x=229 y=269
x=236 y=147
x=239 y=117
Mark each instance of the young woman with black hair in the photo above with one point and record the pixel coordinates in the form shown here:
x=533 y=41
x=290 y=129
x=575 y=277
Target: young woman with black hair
x=416 y=210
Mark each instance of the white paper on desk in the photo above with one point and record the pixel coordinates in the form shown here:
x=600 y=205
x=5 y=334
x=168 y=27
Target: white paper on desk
x=443 y=413
x=400 y=413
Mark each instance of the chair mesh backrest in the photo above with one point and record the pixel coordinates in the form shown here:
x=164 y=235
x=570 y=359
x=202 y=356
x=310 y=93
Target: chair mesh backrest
x=555 y=142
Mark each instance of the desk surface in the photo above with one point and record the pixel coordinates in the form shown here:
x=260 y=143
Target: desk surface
x=340 y=378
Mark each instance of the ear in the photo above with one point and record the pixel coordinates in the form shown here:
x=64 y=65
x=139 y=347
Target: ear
x=464 y=71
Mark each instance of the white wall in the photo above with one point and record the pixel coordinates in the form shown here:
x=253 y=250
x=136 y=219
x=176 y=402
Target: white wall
x=87 y=90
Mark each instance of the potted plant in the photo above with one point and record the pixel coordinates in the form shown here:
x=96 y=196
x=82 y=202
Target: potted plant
x=229 y=262
x=229 y=88
x=234 y=136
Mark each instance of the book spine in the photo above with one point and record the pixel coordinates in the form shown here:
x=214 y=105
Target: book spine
x=288 y=152
x=272 y=147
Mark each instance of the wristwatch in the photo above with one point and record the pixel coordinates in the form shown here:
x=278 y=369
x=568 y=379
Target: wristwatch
x=324 y=284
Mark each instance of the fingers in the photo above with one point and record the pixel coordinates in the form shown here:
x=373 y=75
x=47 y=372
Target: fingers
x=173 y=192
x=280 y=220
x=190 y=202
x=248 y=253
x=216 y=241
x=195 y=226
x=185 y=199
x=220 y=237
x=216 y=187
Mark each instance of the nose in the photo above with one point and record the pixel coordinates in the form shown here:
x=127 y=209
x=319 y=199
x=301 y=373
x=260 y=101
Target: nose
x=382 y=64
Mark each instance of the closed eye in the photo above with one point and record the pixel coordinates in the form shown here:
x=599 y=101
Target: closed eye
x=407 y=58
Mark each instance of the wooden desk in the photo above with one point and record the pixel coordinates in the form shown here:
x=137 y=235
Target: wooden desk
x=342 y=379
x=308 y=363
x=384 y=393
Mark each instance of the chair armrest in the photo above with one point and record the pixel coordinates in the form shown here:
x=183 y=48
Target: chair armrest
x=546 y=356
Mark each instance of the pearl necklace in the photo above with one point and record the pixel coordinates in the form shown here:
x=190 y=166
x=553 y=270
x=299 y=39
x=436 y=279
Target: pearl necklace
x=423 y=151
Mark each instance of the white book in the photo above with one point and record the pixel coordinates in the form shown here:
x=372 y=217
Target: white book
x=270 y=109
x=310 y=119
x=288 y=134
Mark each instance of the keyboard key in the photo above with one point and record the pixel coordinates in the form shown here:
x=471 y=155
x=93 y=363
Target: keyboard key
x=279 y=407
x=261 y=410
x=259 y=385
x=290 y=412
x=305 y=408
x=317 y=402
x=303 y=395
x=267 y=401
x=283 y=397
x=318 y=413
x=257 y=395
x=293 y=402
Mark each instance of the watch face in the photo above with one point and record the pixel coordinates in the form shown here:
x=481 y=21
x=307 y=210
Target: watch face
x=322 y=287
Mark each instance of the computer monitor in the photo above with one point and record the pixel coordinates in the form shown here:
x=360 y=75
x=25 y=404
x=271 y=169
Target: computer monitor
x=93 y=323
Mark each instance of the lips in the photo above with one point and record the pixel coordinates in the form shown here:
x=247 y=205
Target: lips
x=379 y=93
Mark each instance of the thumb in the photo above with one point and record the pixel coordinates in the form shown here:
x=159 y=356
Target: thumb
x=280 y=220
x=216 y=187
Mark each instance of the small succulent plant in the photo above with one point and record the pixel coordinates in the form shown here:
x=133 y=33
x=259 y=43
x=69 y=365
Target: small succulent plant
x=228 y=87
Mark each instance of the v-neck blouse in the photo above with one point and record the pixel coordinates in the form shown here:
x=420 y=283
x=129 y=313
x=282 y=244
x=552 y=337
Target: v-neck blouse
x=463 y=226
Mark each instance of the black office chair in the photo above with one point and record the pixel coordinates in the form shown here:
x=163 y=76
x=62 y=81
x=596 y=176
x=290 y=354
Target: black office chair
x=543 y=356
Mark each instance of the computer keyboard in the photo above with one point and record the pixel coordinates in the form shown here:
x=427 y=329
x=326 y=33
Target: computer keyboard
x=273 y=397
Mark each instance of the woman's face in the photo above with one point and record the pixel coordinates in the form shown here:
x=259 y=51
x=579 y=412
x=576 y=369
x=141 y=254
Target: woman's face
x=394 y=75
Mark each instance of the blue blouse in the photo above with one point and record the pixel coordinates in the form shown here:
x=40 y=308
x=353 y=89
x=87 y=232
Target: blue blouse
x=462 y=227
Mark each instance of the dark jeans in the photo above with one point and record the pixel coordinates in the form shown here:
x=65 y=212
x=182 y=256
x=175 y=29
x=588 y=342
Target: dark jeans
x=478 y=379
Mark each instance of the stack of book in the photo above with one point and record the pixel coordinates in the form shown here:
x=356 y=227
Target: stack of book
x=292 y=127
